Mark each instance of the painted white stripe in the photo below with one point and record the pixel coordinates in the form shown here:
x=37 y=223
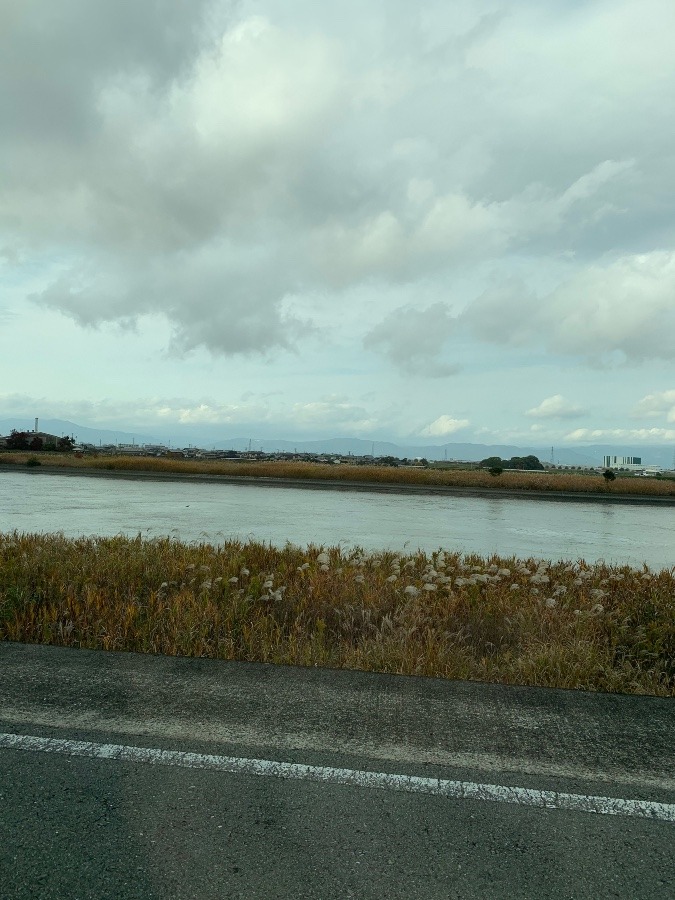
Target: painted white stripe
x=439 y=787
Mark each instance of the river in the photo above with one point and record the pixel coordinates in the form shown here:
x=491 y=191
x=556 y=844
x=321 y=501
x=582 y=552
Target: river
x=618 y=533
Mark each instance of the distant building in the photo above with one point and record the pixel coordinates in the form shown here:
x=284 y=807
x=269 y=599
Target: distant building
x=621 y=462
x=44 y=437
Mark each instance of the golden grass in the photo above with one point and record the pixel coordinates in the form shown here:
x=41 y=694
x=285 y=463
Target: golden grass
x=563 y=625
x=462 y=478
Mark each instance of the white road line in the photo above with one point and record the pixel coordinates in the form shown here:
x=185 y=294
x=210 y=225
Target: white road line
x=439 y=787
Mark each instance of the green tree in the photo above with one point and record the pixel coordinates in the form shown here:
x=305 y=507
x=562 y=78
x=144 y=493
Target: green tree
x=529 y=463
x=18 y=440
x=491 y=462
x=516 y=462
x=532 y=462
x=608 y=475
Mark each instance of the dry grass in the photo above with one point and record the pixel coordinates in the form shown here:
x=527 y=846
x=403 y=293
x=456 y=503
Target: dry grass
x=525 y=481
x=564 y=625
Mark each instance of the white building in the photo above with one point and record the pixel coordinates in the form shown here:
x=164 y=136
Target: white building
x=622 y=462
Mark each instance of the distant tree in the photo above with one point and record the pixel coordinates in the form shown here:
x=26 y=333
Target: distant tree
x=525 y=462
x=516 y=462
x=491 y=462
x=388 y=461
x=65 y=443
x=18 y=440
x=36 y=443
x=608 y=475
x=495 y=470
x=532 y=462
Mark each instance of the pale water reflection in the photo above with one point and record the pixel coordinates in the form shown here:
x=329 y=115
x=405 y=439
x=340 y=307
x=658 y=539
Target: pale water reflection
x=194 y=511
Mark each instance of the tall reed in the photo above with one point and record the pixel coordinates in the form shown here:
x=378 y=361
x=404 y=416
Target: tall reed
x=562 y=624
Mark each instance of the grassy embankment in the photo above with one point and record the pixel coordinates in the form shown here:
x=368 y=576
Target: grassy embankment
x=461 y=478
x=565 y=625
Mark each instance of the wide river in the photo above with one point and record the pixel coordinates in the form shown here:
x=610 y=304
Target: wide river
x=195 y=511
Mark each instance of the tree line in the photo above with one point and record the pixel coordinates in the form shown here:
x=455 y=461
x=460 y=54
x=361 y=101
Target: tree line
x=516 y=462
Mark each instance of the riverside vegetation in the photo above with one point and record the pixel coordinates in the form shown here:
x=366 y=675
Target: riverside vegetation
x=476 y=479
x=530 y=622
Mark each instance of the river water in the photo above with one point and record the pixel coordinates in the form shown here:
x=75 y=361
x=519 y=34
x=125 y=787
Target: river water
x=196 y=511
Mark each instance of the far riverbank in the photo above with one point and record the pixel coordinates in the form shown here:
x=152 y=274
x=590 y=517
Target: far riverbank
x=343 y=484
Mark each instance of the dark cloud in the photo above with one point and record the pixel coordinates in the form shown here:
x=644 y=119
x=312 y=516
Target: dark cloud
x=56 y=56
x=413 y=340
x=206 y=160
x=508 y=313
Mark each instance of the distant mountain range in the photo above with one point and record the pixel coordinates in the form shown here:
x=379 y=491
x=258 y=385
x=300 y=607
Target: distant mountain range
x=569 y=456
x=591 y=455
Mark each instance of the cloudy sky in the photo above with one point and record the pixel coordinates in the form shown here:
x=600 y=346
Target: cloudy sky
x=430 y=220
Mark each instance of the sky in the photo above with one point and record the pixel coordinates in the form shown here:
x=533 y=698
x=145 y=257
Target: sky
x=401 y=221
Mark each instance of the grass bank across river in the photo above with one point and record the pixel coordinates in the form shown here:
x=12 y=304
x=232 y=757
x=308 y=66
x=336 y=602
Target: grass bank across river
x=533 y=483
x=563 y=624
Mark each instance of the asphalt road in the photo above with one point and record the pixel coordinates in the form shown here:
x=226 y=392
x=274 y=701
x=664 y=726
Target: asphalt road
x=365 y=785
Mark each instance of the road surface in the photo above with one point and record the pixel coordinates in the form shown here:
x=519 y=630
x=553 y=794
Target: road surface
x=125 y=776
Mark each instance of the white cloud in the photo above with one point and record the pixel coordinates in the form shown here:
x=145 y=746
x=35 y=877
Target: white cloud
x=334 y=413
x=626 y=306
x=540 y=210
x=628 y=434
x=427 y=231
x=657 y=405
x=263 y=88
x=555 y=407
x=444 y=426
x=622 y=310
